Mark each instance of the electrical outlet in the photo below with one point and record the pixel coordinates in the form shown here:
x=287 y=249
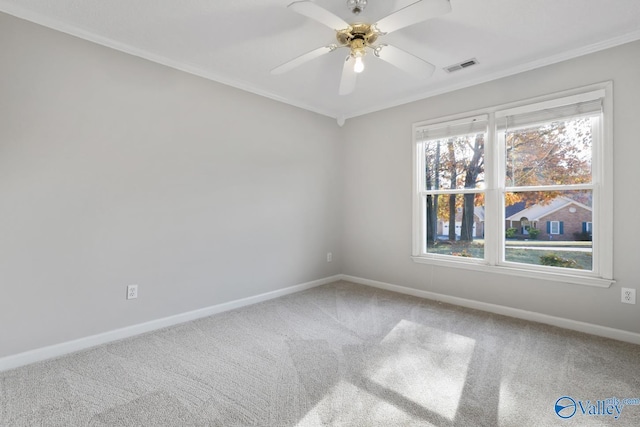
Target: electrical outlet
x=132 y=291
x=329 y=257
x=628 y=295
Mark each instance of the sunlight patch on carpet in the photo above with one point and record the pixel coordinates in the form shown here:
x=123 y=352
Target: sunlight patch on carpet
x=425 y=365
x=347 y=404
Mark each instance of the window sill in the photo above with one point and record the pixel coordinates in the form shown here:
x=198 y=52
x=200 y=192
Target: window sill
x=478 y=265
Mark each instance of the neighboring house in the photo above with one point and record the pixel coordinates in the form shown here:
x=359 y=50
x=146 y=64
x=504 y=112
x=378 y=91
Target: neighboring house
x=560 y=219
x=478 y=223
x=514 y=208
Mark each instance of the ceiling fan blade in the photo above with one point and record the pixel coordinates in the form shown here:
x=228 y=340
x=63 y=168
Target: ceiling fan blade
x=412 y=14
x=405 y=61
x=348 y=80
x=295 y=62
x=319 y=14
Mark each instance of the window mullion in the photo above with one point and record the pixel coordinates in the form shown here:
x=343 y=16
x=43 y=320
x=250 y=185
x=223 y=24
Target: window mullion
x=492 y=199
x=454 y=191
x=562 y=187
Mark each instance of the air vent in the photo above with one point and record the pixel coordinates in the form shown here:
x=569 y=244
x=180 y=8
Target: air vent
x=464 y=64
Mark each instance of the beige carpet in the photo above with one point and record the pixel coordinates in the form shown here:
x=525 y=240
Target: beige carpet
x=337 y=355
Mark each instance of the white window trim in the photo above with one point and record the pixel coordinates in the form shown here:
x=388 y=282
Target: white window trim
x=602 y=172
x=551 y=227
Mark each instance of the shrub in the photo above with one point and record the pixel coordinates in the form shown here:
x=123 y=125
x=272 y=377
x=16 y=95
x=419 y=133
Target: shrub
x=533 y=233
x=584 y=236
x=464 y=253
x=556 y=261
x=511 y=232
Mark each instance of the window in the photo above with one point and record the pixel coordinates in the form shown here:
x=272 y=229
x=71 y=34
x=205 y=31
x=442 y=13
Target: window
x=554 y=227
x=522 y=189
x=452 y=187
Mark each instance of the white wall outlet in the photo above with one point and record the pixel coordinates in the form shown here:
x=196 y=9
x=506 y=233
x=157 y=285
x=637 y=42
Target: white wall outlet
x=132 y=291
x=628 y=295
x=329 y=257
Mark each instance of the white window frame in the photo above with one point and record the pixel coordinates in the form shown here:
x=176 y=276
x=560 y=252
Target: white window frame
x=557 y=230
x=602 y=187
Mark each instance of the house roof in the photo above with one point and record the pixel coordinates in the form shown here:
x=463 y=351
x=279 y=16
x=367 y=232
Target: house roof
x=537 y=211
x=514 y=208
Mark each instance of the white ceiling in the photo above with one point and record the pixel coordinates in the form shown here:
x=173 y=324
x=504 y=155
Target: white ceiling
x=237 y=42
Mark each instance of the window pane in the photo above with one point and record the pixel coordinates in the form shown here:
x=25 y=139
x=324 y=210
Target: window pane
x=552 y=153
x=551 y=228
x=455 y=225
x=455 y=162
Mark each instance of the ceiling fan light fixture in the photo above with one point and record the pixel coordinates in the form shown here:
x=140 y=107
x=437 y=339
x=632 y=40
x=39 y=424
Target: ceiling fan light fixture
x=356 y=6
x=358 y=67
x=357 y=46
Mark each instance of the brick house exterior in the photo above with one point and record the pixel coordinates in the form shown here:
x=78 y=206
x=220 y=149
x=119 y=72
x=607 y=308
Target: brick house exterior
x=572 y=220
x=560 y=219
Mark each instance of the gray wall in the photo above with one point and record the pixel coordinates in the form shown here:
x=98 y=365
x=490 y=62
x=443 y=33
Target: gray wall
x=115 y=170
x=377 y=198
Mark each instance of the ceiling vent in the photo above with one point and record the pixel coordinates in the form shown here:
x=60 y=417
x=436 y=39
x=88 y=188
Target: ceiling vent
x=464 y=64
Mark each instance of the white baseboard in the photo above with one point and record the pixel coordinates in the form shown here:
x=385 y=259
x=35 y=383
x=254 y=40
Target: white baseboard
x=49 y=352
x=56 y=350
x=589 y=328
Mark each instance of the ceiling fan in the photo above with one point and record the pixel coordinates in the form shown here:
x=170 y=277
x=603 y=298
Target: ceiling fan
x=360 y=36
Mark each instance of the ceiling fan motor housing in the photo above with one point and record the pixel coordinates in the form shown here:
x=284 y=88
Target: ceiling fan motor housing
x=357 y=34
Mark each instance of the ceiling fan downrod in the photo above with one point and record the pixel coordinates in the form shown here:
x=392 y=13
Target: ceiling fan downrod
x=356 y=6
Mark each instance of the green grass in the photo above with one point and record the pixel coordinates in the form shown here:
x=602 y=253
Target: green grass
x=473 y=249
x=584 y=260
x=531 y=256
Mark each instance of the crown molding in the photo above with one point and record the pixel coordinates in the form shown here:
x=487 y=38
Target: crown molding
x=72 y=30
